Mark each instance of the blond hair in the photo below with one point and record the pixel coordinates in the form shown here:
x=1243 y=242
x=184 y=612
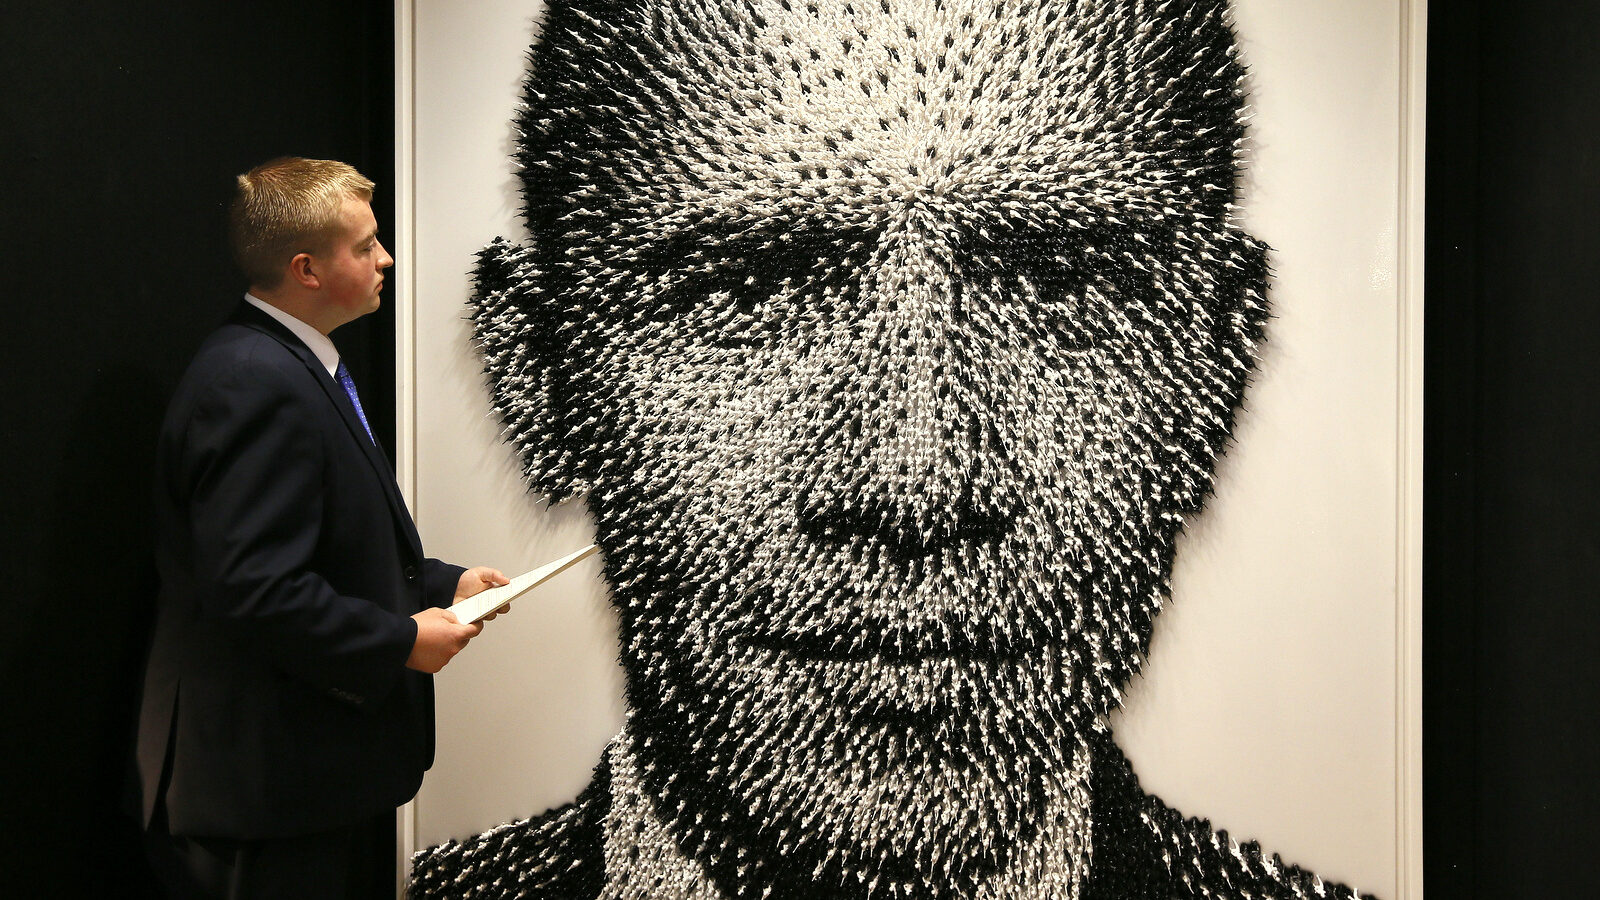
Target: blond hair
x=289 y=206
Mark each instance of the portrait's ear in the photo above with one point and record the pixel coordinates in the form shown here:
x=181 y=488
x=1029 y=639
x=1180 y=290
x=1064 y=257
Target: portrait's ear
x=517 y=325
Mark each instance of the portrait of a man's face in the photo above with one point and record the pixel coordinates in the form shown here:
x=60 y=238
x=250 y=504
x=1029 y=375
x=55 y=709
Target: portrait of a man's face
x=892 y=343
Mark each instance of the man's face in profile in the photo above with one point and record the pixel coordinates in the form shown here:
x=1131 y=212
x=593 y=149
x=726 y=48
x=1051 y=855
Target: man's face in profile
x=894 y=341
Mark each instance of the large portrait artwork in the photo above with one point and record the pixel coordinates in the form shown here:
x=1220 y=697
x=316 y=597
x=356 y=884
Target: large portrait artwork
x=891 y=344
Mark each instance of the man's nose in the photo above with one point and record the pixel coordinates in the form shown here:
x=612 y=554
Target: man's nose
x=384 y=259
x=901 y=444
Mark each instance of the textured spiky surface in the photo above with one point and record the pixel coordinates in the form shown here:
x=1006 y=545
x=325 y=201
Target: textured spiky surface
x=892 y=341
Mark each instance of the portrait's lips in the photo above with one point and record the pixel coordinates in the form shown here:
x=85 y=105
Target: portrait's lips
x=880 y=684
x=861 y=642
x=851 y=631
x=963 y=524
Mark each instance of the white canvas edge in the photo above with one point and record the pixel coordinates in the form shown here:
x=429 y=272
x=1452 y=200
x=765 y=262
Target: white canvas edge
x=405 y=332
x=1413 y=89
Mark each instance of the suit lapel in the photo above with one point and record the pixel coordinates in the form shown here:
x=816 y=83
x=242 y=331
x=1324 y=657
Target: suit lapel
x=250 y=316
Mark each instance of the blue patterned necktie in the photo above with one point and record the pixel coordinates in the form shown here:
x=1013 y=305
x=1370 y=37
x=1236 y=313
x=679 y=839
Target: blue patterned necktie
x=349 y=386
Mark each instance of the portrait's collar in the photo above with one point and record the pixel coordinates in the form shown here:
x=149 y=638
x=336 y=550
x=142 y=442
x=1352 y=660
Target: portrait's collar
x=642 y=860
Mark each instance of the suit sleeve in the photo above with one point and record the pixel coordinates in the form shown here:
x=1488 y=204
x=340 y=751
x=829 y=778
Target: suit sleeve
x=439 y=582
x=255 y=468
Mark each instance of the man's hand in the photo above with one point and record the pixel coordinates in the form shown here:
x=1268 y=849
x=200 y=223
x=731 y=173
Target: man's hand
x=478 y=579
x=439 y=638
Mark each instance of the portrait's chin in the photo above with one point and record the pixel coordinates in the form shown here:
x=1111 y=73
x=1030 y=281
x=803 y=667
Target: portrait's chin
x=927 y=771
x=897 y=800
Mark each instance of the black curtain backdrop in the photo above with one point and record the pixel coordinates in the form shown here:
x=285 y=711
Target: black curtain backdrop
x=1512 y=689
x=123 y=125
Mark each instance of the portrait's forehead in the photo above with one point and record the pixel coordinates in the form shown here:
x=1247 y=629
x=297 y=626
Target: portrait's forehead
x=1001 y=108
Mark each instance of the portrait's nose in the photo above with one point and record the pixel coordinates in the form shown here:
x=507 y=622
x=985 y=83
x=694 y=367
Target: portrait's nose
x=899 y=442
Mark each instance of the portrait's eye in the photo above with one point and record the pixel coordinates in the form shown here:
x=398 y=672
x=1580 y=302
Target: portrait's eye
x=724 y=306
x=1053 y=288
x=737 y=302
x=743 y=312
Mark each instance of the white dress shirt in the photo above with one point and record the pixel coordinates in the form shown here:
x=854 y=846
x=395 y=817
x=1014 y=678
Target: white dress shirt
x=326 y=352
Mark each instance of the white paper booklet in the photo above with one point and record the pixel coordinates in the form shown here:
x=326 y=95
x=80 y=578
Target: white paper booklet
x=481 y=604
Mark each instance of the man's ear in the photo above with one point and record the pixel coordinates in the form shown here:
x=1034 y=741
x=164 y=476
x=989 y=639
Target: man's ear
x=302 y=271
x=517 y=325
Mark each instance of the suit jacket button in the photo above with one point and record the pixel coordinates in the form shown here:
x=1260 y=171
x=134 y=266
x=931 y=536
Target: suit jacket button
x=411 y=574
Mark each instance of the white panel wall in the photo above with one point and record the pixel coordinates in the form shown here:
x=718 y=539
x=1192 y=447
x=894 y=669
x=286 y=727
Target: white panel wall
x=1268 y=703
x=524 y=713
x=1275 y=700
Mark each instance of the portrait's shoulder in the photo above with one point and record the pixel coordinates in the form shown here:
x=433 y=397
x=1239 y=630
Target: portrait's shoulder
x=1128 y=861
x=555 y=856
x=1145 y=850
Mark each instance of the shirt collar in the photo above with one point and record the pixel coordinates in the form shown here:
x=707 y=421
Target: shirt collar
x=327 y=354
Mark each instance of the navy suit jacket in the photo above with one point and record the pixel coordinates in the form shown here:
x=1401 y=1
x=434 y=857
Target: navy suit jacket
x=276 y=698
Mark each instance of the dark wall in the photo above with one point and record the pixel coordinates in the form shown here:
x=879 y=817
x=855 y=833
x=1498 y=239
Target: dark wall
x=124 y=124
x=1512 y=688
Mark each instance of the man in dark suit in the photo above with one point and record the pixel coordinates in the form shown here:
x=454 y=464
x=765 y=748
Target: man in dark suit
x=288 y=702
